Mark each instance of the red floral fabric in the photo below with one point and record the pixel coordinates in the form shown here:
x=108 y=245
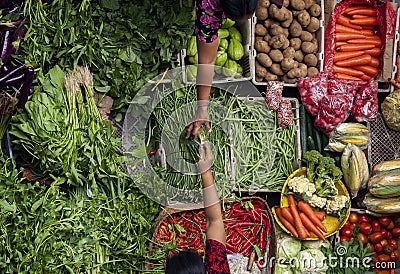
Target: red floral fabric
x=216 y=261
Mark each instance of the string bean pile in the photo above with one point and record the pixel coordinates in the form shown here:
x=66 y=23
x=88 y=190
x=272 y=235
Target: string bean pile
x=243 y=130
x=171 y=115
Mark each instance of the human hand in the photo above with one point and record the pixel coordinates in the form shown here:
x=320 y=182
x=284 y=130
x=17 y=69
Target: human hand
x=200 y=118
x=206 y=158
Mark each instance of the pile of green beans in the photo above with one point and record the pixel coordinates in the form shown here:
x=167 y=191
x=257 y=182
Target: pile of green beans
x=188 y=149
x=263 y=154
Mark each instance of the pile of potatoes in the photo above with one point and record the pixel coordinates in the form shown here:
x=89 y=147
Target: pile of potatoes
x=285 y=40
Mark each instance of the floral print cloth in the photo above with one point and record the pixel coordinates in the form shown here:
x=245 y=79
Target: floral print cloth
x=209 y=16
x=216 y=261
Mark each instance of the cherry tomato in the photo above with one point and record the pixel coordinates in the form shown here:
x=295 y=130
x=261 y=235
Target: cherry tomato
x=384 y=243
x=344 y=238
x=353 y=218
x=384 y=258
x=378 y=247
x=363 y=238
x=396 y=231
x=362 y=218
x=375 y=237
x=384 y=233
x=376 y=226
x=389 y=235
x=347 y=232
x=387 y=250
x=394 y=256
x=347 y=224
x=393 y=243
x=384 y=221
x=390 y=225
x=365 y=228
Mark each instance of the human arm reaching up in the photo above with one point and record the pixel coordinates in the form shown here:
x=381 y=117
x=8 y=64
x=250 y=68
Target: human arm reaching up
x=215 y=224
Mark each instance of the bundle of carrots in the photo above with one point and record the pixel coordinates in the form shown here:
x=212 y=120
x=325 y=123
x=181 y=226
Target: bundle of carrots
x=358 y=45
x=300 y=219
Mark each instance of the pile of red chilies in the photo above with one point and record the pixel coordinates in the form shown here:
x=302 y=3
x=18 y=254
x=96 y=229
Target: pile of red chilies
x=247 y=228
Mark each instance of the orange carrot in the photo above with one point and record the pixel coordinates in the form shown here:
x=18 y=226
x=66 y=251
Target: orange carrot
x=368 y=70
x=355 y=47
x=285 y=222
x=287 y=214
x=365 y=77
x=394 y=83
x=364 y=11
x=374 y=62
x=365 y=21
x=341 y=28
x=307 y=209
x=348 y=71
x=354 y=7
x=367 y=32
x=344 y=36
x=355 y=61
x=341 y=43
x=303 y=232
x=346 y=22
x=310 y=225
x=320 y=215
x=339 y=56
x=358 y=16
x=374 y=52
x=347 y=77
x=368 y=39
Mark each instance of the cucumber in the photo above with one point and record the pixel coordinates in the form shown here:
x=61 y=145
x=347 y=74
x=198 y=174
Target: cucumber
x=310 y=143
x=303 y=128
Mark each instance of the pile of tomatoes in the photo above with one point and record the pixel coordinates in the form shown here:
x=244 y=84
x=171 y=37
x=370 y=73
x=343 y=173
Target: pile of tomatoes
x=380 y=233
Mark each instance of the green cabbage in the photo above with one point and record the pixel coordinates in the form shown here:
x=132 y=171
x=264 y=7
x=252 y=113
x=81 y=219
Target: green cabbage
x=282 y=269
x=288 y=248
x=235 y=34
x=235 y=49
x=230 y=68
x=192 y=46
x=317 y=244
x=311 y=261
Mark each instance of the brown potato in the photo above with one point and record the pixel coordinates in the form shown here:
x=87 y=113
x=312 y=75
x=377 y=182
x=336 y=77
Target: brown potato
x=310 y=60
x=295 y=43
x=314 y=25
x=260 y=30
x=276 y=55
x=262 y=46
x=312 y=71
x=298 y=4
x=289 y=52
x=299 y=56
x=261 y=13
x=264 y=59
x=306 y=36
x=276 y=69
x=295 y=29
x=315 y=10
x=304 y=18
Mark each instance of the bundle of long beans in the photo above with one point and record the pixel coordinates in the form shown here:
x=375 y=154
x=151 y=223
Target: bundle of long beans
x=263 y=153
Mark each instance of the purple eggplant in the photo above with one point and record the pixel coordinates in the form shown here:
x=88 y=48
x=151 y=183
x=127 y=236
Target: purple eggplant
x=26 y=87
x=6 y=45
x=11 y=73
x=14 y=45
x=6 y=11
x=15 y=79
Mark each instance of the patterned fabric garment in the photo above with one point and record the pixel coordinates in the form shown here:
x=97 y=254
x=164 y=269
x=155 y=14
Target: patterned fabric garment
x=216 y=261
x=209 y=16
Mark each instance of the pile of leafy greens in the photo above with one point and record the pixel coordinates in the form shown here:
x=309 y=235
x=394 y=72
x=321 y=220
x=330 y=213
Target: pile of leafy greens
x=125 y=43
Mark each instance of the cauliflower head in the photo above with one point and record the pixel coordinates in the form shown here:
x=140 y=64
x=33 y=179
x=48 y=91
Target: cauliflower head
x=302 y=186
x=318 y=202
x=335 y=205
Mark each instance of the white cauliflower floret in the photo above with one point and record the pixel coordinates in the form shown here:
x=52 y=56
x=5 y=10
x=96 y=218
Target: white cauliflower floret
x=302 y=186
x=317 y=201
x=336 y=204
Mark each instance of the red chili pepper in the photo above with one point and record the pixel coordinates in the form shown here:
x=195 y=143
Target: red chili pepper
x=154 y=151
x=231 y=247
x=246 y=249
